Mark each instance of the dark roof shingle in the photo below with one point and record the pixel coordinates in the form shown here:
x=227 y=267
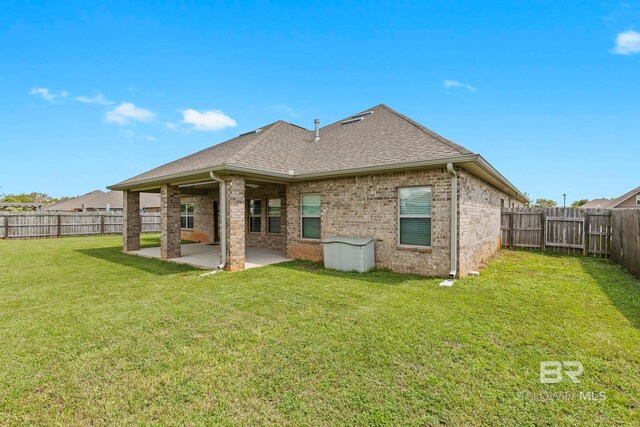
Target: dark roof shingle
x=383 y=137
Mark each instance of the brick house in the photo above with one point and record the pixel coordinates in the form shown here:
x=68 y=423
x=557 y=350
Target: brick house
x=630 y=199
x=375 y=174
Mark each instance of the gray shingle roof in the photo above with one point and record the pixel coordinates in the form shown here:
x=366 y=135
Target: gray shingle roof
x=383 y=137
x=99 y=199
x=625 y=196
x=610 y=203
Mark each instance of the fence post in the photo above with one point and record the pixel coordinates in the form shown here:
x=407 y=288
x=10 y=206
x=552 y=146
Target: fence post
x=59 y=225
x=543 y=223
x=585 y=232
x=511 y=230
x=102 y=224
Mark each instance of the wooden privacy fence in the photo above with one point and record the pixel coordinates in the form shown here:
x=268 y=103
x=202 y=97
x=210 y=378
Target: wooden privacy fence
x=26 y=225
x=626 y=239
x=573 y=231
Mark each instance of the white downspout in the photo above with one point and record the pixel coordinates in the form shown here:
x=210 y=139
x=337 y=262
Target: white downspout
x=454 y=220
x=223 y=223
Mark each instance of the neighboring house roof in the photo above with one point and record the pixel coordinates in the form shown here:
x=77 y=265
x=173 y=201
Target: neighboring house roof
x=376 y=139
x=611 y=203
x=99 y=199
x=598 y=203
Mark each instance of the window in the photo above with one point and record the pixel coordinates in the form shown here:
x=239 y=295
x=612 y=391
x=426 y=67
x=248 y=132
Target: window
x=414 y=216
x=255 y=216
x=310 y=216
x=638 y=200
x=274 y=214
x=186 y=216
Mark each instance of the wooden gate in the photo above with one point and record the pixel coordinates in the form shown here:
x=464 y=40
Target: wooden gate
x=564 y=232
x=571 y=231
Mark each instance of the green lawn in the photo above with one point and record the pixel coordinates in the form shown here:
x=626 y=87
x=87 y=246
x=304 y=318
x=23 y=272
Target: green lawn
x=90 y=336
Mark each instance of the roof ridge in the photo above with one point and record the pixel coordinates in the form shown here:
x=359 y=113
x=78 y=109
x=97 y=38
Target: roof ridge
x=349 y=116
x=428 y=131
x=256 y=142
x=250 y=146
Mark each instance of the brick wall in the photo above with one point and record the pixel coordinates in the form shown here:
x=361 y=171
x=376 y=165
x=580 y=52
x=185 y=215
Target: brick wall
x=479 y=206
x=236 y=224
x=203 y=220
x=367 y=207
x=169 y=222
x=131 y=221
x=264 y=239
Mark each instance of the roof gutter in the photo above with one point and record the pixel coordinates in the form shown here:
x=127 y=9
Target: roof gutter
x=223 y=223
x=283 y=177
x=497 y=175
x=454 y=220
x=157 y=181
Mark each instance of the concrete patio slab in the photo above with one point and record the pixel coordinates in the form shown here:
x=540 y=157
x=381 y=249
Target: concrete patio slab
x=208 y=256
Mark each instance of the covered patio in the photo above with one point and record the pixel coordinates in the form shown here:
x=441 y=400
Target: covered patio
x=207 y=256
x=239 y=221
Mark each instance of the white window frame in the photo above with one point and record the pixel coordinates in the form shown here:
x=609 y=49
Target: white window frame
x=302 y=216
x=638 y=200
x=421 y=216
x=259 y=215
x=187 y=215
x=274 y=216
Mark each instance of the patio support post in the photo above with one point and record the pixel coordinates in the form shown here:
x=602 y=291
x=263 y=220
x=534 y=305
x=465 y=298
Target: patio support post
x=131 y=223
x=169 y=222
x=236 y=212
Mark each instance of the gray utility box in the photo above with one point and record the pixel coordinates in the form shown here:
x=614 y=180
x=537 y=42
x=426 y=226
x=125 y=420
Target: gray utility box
x=349 y=253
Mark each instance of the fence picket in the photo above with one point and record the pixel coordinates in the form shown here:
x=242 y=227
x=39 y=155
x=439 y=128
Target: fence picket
x=26 y=225
x=567 y=230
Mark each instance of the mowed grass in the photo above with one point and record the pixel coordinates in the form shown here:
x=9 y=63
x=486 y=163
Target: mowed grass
x=91 y=336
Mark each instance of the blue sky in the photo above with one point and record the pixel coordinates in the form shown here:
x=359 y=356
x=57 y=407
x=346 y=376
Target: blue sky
x=92 y=94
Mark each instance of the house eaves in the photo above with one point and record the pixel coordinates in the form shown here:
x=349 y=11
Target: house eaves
x=474 y=163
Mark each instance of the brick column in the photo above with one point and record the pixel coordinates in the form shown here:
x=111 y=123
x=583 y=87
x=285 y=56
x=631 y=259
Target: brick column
x=236 y=225
x=131 y=223
x=169 y=222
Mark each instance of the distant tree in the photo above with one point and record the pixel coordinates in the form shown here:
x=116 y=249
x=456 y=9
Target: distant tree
x=579 y=203
x=544 y=203
x=528 y=202
x=34 y=197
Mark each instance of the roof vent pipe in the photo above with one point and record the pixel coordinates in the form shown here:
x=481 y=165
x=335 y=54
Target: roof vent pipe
x=317 y=123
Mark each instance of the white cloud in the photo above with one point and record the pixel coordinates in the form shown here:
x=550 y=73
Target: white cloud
x=126 y=113
x=456 y=84
x=47 y=95
x=212 y=120
x=627 y=43
x=98 y=99
x=151 y=138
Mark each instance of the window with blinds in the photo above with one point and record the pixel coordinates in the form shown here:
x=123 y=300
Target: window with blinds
x=310 y=216
x=255 y=216
x=414 y=216
x=274 y=215
x=187 y=215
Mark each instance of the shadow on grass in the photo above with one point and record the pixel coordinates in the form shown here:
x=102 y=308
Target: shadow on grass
x=622 y=289
x=149 y=265
x=153 y=240
x=377 y=276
